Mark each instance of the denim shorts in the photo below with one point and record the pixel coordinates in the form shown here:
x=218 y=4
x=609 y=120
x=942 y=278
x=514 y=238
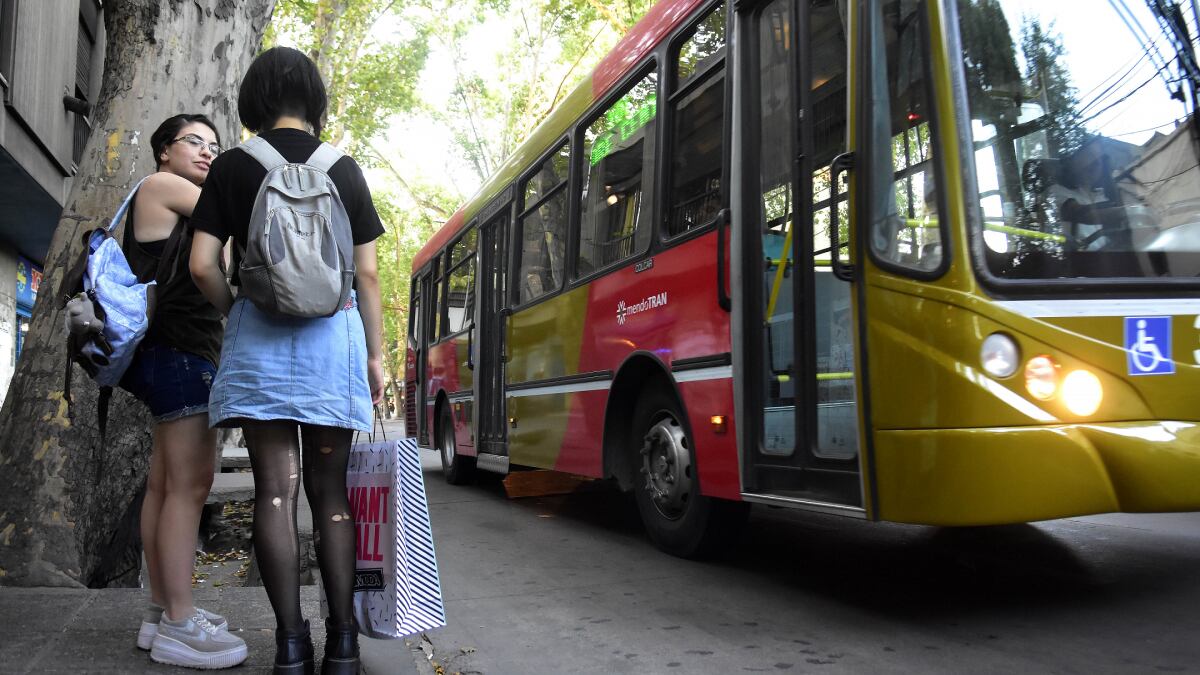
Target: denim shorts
x=173 y=383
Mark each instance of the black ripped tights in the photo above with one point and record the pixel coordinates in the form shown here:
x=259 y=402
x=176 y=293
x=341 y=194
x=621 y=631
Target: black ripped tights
x=275 y=458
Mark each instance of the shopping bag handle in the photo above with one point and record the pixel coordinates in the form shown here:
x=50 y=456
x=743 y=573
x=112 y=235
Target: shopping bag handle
x=378 y=421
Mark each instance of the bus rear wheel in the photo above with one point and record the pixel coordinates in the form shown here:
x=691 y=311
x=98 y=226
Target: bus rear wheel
x=457 y=469
x=677 y=517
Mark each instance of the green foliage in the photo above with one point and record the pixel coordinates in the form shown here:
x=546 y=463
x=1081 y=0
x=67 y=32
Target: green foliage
x=994 y=84
x=372 y=55
x=552 y=46
x=407 y=231
x=371 y=72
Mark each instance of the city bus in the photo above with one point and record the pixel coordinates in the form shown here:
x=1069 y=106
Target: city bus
x=920 y=261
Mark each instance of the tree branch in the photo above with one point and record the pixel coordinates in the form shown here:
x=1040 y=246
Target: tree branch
x=421 y=201
x=607 y=13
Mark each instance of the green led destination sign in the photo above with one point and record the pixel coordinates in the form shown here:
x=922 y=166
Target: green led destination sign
x=623 y=120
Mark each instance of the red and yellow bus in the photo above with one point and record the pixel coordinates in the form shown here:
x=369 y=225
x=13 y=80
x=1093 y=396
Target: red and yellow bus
x=925 y=261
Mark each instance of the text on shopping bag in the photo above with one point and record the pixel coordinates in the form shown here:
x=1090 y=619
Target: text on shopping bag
x=370 y=504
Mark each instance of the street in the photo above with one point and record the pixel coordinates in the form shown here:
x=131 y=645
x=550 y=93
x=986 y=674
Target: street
x=569 y=584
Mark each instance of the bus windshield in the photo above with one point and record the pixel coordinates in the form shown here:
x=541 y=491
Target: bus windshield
x=1083 y=117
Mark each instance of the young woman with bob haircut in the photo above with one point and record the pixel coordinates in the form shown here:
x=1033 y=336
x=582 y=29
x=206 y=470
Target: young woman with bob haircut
x=282 y=375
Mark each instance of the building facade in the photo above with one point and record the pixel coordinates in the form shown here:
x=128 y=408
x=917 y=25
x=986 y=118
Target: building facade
x=51 y=65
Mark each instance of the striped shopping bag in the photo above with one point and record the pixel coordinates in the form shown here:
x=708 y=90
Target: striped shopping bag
x=397 y=591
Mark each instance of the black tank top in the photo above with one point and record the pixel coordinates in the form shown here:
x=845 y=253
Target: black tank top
x=183 y=317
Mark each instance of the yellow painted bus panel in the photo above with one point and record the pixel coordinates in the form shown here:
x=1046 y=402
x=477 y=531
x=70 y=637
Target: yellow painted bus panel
x=1174 y=396
x=544 y=341
x=466 y=376
x=989 y=476
x=1153 y=466
x=993 y=476
x=926 y=371
x=541 y=422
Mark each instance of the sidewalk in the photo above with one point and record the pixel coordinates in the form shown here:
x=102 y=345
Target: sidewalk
x=63 y=630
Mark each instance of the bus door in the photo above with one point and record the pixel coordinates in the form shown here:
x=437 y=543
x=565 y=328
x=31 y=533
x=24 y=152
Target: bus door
x=489 y=365
x=802 y=440
x=424 y=307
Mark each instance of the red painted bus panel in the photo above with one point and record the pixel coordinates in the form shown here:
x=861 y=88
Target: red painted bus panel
x=716 y=452
x=445 y=373
x=669 y=310
x=439 y=239
x=662 y=18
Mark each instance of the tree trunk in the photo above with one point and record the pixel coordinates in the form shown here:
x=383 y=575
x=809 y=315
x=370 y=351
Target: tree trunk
x=68 y=511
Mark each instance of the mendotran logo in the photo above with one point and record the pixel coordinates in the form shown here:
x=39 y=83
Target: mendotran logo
x=652 y=302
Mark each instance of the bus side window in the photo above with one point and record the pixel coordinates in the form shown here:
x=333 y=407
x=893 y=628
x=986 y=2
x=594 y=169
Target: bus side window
x=697 y=126
x=543 y=224
x=414 y=317
x=460 y=284
x=618 y=156
x=435 y=302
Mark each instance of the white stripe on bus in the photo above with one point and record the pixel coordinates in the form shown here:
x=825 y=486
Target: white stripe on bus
x=560 y=389
x=697 y=375
x=1040 y=309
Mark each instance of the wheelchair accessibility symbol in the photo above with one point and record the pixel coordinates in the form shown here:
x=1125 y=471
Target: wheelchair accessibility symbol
x=1148 y=345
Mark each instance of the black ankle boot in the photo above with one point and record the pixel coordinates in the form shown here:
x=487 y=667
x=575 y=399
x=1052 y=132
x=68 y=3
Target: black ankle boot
x=293 y=652
x=341 y=648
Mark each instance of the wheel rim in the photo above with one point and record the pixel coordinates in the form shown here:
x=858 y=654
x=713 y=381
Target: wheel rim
x=667 y=467
x=448 y=450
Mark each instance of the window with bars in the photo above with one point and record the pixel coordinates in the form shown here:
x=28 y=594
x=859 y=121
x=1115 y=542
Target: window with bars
x=89 y=23
x=8 y=25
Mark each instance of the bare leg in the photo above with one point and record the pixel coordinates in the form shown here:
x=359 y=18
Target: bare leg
x=152 y=503
x=187 y=447
x=275 y=458
x=326 y=451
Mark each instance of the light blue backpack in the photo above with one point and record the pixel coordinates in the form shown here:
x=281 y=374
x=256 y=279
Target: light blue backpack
x=108 y=311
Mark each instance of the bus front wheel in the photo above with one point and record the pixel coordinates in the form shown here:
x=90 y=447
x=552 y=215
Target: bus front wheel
x=458 y=469
x=677 y=517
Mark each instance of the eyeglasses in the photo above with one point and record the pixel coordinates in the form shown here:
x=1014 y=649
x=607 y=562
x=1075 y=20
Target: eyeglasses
x=197 y=142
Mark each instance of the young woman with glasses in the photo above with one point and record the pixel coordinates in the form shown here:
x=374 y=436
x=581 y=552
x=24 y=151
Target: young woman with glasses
x=172 y=374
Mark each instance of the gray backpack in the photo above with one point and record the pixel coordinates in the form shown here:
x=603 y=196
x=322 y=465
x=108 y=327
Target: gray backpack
x=298 y=257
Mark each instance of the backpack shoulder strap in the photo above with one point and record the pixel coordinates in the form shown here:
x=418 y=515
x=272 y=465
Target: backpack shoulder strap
x=124 y=207
x=324 y=157
x=73 y=281
x=263 y=153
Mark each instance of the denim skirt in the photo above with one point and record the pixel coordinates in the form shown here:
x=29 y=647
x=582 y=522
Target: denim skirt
x=311 y=371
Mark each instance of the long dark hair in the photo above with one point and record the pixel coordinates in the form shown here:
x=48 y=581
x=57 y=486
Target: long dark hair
x=282 y=81
x=169 y=130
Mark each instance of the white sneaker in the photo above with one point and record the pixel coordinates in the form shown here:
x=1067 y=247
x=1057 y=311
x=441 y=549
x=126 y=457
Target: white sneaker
x=196 y=643
x=152 y=615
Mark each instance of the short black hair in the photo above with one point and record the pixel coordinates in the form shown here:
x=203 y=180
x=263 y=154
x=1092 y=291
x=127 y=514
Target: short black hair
x=282 y=81
x=169 y=131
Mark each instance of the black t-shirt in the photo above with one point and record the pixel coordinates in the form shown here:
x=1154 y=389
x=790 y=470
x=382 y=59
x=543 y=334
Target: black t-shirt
x=233 y=181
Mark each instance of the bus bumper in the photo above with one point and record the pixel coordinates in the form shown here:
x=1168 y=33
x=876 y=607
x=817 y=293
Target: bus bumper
x=992 y=476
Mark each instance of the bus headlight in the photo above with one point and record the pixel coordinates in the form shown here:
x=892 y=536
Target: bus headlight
x=1041 y=377
x=1082 y=392
x=999 y=355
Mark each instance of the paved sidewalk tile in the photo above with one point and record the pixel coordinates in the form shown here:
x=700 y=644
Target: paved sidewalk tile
x=58 y=630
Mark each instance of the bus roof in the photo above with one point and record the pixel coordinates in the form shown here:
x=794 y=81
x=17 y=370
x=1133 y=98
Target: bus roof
x=647 y=34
